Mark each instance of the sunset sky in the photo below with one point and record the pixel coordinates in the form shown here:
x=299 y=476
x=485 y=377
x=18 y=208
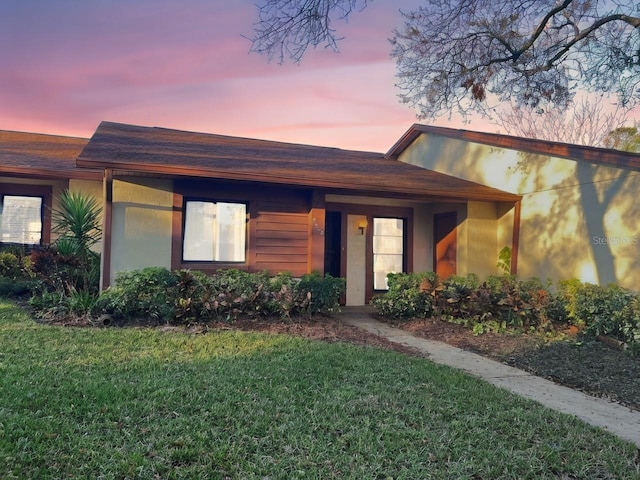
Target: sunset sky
x=66 y=65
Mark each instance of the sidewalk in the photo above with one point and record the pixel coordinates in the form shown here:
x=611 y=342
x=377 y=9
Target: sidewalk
x=619 y=420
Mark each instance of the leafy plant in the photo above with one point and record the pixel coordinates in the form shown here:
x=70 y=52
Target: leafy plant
x=322 y=293
x=77 y=220
x=410 y=295
x=148 y=293
x=504 y=260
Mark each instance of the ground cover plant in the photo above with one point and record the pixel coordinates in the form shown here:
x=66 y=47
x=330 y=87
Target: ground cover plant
x=164 y=403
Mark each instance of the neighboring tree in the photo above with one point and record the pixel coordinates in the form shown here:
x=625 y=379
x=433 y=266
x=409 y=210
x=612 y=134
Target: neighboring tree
x=455 y=55
x=590 y=121
x=624 y=138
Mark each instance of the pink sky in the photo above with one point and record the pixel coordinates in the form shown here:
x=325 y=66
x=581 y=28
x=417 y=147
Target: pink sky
x=66 y=65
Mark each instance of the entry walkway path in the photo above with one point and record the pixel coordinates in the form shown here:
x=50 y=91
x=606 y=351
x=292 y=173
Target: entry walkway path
x=619 y=420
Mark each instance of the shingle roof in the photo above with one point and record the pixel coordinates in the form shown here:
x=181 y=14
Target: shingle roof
x=162 y=151
x=543 y=147
x=37 y=155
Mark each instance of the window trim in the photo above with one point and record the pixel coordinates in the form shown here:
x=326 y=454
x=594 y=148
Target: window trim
x=45 y=192
x=217 y=264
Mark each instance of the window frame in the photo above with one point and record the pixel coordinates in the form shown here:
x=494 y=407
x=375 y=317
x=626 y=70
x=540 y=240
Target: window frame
x=44 y=192
x=203 y=264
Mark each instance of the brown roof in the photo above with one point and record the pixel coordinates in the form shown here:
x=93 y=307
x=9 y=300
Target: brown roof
x=37 y=155
x=608 y=156
x=153 y=150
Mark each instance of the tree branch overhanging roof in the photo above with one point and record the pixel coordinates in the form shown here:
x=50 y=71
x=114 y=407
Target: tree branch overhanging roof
x=136 y=149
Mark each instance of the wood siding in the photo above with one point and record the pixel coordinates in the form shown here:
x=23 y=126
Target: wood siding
x=281 y=235
x=277 y=229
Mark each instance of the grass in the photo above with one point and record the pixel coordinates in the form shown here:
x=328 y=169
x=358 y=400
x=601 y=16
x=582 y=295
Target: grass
x=145 y=403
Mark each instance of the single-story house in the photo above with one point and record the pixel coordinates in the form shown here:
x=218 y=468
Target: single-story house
x=438 y=200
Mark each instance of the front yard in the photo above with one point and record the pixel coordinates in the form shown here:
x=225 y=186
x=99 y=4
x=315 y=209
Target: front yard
x=165 y=403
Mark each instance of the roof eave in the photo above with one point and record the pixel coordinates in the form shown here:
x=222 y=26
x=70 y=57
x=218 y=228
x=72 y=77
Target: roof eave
x=173 y=171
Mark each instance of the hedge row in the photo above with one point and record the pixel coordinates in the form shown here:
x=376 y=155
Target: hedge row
x=505 y=301
x=187 y=296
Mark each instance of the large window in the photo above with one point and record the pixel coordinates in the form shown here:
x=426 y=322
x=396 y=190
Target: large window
x=214 y=231
x=388 y=250
x=21 y=219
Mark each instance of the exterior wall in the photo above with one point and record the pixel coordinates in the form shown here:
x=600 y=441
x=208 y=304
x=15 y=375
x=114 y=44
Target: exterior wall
x=482 y=240
x=577 y=219
x=280 y=235
x=356 y=262
x=281 y=226
x=141 y=224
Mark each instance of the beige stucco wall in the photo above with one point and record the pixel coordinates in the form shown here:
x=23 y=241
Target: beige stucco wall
x=577 y=219
x=141 y=224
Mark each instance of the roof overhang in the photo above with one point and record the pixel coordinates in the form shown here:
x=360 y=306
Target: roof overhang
x=134 y=150
x=568 y=151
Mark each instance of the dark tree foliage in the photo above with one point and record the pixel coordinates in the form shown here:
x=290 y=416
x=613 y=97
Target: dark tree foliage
x=462 y=55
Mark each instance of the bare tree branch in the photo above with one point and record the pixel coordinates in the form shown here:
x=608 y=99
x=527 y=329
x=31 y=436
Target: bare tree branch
x=460 y=55
x=286 y=28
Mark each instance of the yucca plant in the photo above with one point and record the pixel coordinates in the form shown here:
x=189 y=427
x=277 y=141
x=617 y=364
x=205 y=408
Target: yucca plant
x=78 y=220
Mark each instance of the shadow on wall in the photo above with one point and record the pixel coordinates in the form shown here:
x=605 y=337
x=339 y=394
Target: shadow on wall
x=578 y=219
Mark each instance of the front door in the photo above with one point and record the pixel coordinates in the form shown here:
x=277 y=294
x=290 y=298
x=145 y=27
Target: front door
x=445 y=241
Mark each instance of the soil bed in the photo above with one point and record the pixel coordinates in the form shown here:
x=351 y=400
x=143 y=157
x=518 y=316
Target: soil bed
x=575 y=362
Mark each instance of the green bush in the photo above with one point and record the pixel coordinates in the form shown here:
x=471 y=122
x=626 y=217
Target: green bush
x=148 y=293
x=605 y=310
x=410 y=295
x=10 y=265
x=187 y=296
x=319 y=295
x=501 y=301
x=10 y=287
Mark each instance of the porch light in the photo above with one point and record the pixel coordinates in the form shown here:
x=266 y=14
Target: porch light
x=362 y=225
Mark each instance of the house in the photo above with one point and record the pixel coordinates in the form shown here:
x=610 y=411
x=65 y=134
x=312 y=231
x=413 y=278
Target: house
x=579 y=214
x=190 y=200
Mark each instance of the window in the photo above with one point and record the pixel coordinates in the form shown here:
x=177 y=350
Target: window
x=21 y=219
x=214 y=232
x=388 y=250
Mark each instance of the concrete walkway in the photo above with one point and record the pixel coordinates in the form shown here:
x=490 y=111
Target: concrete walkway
x=619 y=420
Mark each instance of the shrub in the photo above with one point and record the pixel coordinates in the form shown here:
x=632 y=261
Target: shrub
x=15 y=287
x=501 y=301
x=147 y=293
x=319 y=295
x=605 y=310
x=187 y=296
x=410 y=295
x=10 y=265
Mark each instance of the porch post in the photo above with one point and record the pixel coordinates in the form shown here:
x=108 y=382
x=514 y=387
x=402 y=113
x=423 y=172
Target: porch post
x=106 y=228
x=515 y=242
x=316 y=232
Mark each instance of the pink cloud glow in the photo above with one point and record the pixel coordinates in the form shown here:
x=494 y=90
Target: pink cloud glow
x=67 y=65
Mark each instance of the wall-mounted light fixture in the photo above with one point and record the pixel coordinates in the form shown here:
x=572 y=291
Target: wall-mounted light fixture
x=362 y=225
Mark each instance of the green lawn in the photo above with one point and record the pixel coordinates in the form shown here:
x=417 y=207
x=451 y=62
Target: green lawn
x=143 y=403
